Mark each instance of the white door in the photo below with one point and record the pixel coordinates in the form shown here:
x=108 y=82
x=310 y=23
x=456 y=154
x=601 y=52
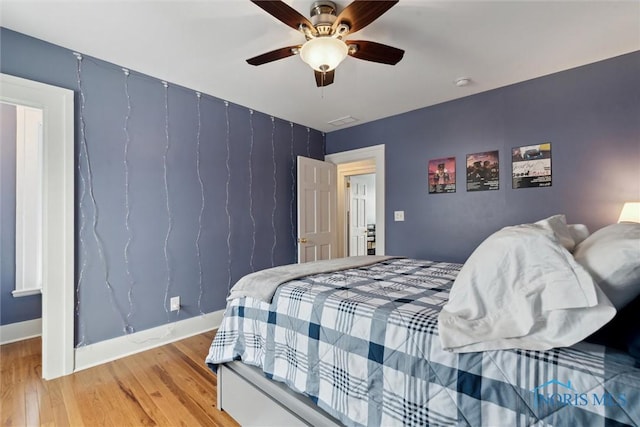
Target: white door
x=317 y=210
x=357 y=218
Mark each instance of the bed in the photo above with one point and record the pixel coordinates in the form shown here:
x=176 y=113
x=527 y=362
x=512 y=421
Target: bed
x=360 y=346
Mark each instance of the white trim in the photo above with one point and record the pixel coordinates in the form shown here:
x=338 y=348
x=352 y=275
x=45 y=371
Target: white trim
x=126 y=345
x=375 y=152
x=20 y=331
x=58 y=217
x=25 y=292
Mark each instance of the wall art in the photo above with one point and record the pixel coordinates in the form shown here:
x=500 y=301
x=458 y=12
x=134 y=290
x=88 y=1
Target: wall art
x=531 y=166
x=483 y=171
x=442 y=175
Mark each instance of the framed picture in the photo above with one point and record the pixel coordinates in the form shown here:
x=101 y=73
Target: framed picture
x=483 y=171
x=531 y=166
x=442 y=175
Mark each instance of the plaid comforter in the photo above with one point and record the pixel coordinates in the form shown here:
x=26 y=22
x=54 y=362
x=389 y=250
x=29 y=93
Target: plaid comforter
x=363 y=344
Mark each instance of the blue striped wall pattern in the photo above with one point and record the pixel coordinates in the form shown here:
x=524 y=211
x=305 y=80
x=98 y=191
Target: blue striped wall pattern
x=178 y=193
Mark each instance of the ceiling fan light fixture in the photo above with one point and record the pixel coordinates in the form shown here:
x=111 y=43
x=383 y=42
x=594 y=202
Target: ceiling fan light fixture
x=324 y=53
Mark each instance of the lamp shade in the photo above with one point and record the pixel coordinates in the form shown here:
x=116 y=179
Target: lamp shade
x=630 y=212
x=324 y=53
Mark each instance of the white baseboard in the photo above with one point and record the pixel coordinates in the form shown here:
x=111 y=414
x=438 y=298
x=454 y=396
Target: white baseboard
x=126 y=345
x=20 y=331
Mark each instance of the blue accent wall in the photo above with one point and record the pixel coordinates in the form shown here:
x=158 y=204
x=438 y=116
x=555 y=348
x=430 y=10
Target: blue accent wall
x=591 y=116
x=175 y=195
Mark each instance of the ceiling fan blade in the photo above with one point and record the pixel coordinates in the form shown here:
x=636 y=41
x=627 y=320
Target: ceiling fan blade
x=361 y=13
x=274 y=55
x=324 y=79
x=375 y=52
x=284 y=13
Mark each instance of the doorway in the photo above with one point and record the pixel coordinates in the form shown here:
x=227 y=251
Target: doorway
x=57 y=216
x=363 y=161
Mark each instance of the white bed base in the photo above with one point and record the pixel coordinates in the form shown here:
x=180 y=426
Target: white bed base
x=253 y=400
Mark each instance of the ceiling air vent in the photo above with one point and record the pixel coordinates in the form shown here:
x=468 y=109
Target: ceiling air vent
x=342 y=121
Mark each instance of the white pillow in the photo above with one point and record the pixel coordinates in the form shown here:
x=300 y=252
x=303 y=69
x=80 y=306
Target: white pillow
x=579 y=232
x=612 y=256
x=558 y=225
x=521 y=289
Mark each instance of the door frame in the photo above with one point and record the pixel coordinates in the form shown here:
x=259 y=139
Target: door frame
x=58 y=264
x=375 y=153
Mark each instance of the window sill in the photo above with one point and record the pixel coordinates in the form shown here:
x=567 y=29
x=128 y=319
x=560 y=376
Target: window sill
x=25 y=292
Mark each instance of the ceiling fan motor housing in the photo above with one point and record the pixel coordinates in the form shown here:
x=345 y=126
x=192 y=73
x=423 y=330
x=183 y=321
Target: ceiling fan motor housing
x=323 y=15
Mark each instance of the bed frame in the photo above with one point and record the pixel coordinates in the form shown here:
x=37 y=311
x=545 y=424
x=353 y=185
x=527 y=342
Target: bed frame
x=253 y=400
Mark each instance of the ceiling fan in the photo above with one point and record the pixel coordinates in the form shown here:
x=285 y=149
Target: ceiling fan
x=324 y=32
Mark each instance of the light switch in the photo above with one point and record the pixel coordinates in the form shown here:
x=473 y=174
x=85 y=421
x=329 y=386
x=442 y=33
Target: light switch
x=398 y=215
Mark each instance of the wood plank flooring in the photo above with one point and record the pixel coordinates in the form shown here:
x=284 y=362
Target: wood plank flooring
x=165 y=386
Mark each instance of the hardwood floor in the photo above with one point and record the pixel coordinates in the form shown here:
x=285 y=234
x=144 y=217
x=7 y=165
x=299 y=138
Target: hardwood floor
x=165 y=386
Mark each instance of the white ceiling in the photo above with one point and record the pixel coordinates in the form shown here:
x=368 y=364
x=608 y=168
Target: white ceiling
x=203 y=45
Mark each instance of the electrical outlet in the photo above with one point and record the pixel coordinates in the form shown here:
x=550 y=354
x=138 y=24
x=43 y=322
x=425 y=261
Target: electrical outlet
x=175 y=303
x=398 y=215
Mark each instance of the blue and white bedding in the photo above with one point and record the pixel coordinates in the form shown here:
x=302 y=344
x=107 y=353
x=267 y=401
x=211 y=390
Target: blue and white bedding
x=363 y=344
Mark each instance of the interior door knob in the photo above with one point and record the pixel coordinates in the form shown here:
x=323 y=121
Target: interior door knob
x=302 y=240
